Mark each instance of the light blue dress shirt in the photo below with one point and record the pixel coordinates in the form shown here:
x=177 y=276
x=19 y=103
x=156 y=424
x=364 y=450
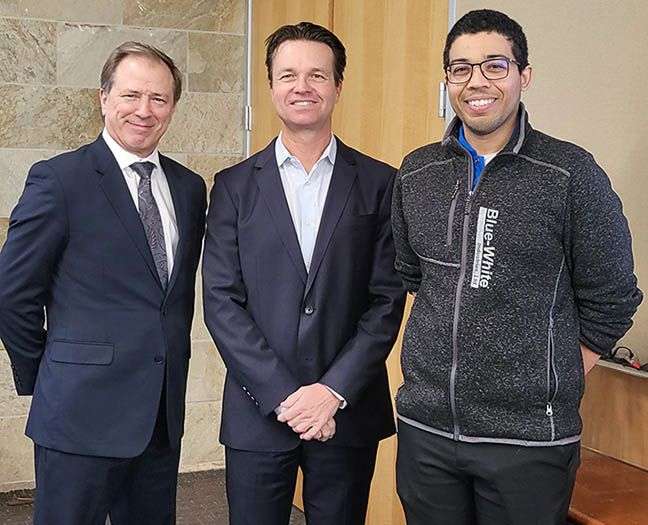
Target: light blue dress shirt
x=306 y=192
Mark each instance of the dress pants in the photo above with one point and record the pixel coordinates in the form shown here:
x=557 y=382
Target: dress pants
x=445 y=482
x=261 y=485
x=73 y=489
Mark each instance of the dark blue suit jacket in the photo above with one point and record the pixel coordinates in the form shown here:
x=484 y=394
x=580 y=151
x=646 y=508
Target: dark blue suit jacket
x=279 y=327
x=76 y=249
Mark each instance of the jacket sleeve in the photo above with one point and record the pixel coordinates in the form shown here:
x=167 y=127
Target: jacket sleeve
x=600 y=259
x=244 y=349
x=363 y=356
x=36 y=237
x=407 y=262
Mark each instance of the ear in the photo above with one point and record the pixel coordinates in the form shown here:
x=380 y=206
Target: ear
x=338 y=89
x=103 y=97
x=525 y=77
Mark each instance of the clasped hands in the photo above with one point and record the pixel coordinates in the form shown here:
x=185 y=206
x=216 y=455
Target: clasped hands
x=309 y=412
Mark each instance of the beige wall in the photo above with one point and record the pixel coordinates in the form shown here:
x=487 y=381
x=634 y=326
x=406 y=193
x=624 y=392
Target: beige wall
x=590 y=72
x=51 y=54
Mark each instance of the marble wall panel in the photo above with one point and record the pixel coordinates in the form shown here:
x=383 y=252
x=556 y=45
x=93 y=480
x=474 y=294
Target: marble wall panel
x=9 y=7
x=200 y=447
x=27 y=51
x=207 y=166
x=4 y=225
x=89 y=11
x=216 y=63
x=17 y=453
x=206 y=123
x=14 y=165
x=206 y=373
x=83 y=49
x=225 y=16
x=11 y=404
x=48 y=117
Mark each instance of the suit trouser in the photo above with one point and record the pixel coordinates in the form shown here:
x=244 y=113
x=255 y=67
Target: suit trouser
x=446 y=482
x=73 y=489
x=261 y=485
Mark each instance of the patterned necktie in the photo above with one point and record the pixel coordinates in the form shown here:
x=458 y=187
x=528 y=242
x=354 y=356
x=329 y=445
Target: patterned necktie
x=150 y=215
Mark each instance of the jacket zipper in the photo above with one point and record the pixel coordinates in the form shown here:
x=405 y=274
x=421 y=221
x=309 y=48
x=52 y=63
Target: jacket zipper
x=453 y=206
x=551 y=359
x=457 y=305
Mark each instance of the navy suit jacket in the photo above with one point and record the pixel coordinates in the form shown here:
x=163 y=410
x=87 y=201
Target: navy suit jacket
x=278 y=327
x=76 y=250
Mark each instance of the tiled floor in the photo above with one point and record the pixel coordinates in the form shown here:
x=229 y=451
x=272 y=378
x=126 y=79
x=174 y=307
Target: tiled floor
x=201 y=501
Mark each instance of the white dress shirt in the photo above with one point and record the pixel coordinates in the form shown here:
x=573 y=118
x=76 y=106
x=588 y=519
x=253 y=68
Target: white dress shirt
x=306 y=192
x=306 y=196
x=159 y=187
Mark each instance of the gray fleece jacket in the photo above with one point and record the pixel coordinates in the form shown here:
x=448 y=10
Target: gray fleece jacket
x=509 y=279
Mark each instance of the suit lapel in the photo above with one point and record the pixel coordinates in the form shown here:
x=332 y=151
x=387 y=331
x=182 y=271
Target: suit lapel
x=269 y=182
x=344 y=174
x=114 y=186
x=181 y=214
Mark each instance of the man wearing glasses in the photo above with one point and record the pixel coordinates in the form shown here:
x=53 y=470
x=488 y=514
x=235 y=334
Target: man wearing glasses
x=520 y=257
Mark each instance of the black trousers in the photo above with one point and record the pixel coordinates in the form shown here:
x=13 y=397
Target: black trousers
x=261 y=485
x=74 y=489
x=446 y=482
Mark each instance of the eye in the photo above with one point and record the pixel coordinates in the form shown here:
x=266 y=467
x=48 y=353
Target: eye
x=460 y=69
x=319 y=76
x=496 y=66
x=286 y=76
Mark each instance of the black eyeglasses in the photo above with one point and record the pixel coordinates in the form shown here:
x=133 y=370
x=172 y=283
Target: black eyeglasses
x=491 y=69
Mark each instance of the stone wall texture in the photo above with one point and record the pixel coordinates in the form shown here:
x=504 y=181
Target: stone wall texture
x=51 y=54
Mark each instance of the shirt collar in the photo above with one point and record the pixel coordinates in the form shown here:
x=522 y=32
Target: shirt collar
x=282 y=154
x=126 y=158
x=464 y=142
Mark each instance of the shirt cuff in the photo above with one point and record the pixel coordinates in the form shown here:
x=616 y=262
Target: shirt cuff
x=343 y=402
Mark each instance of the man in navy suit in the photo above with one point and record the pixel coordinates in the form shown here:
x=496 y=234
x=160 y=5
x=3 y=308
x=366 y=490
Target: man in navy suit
x=104 y=242
x=302 y=300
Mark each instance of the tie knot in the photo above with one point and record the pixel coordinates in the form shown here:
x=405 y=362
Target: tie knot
x=143 y=169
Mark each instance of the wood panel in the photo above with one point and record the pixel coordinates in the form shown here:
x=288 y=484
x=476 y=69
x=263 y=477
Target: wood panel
x=609 y=492
x=388 y=105
x=267 y=16
x=615 y=415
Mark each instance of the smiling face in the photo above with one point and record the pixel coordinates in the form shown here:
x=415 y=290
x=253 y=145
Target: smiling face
x=487 y=108
x=138 y=107
x=303 y=86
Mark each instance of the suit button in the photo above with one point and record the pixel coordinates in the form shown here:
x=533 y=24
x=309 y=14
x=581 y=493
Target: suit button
x=309 y=310
x=158 y=359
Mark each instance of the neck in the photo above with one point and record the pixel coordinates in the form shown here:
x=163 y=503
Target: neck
x=489 y=143
x=307 y=146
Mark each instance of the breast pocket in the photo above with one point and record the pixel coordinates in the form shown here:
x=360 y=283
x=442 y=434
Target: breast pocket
x=433 y=214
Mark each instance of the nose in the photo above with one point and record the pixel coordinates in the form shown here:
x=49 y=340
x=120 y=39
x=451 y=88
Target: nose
x=301 y=84
x=477 y=79
x=143 y=109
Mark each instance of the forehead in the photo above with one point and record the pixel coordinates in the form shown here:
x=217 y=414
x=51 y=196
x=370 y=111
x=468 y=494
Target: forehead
x=136 y=71
x=479 y=46
x=295 y=54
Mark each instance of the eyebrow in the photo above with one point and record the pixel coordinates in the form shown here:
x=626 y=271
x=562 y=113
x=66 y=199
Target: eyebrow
x=488 y=57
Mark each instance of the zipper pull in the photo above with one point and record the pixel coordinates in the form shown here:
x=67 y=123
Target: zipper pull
x=549 y=410
x=456 y=190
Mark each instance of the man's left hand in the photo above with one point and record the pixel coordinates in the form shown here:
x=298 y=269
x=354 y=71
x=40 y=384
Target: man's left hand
x=308 y=409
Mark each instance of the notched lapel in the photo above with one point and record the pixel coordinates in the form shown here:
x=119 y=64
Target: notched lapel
x=342 y=179
x=114 y=186
x=269 y=182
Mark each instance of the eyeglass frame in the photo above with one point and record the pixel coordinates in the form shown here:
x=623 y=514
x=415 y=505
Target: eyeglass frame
x=506 y=59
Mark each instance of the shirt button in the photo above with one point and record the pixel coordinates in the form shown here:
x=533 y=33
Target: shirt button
x=158 y=359
x=309 y=310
